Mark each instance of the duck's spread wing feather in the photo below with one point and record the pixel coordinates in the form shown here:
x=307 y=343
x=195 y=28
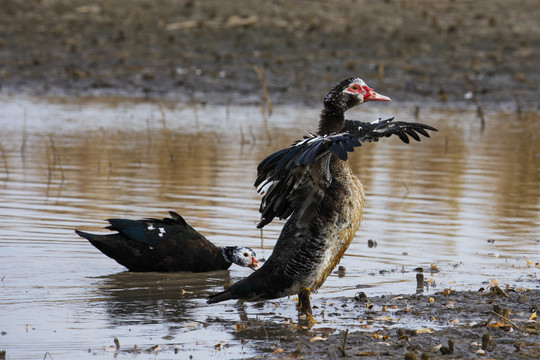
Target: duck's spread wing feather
x=295 y=178
x=375 y=130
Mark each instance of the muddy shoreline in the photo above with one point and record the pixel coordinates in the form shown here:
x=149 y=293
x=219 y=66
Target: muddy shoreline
x=206 y=51
x=493 y=324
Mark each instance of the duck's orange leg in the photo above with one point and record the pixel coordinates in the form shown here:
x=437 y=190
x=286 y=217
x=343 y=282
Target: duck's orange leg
x=304 y=302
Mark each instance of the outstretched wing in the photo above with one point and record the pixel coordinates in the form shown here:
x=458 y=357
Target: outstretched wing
x=296 y=178
x=385 y=128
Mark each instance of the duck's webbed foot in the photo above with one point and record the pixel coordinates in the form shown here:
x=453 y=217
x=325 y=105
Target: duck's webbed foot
x=304 y=302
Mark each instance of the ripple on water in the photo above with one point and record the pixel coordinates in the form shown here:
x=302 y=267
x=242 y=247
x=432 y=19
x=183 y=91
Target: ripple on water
x=68 y=166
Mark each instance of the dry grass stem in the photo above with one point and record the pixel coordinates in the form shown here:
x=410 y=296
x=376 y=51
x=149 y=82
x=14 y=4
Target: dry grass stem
x=479 y=112
x=380 y=74
x=505 y=319
x=342 y=347
x=5 y=161
x=166 y=132
x=266 y=107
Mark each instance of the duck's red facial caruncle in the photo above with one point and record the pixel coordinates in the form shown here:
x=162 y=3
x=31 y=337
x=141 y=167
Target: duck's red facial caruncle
x=254 y=263
x=361 y=89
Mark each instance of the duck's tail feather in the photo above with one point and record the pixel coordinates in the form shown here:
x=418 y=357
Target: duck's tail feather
x=219 y=297
x=85 y=235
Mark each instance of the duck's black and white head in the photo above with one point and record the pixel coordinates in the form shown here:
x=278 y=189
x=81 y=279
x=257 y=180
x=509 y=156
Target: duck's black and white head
x=351 y=92
x=345 y=95
x=241 y=255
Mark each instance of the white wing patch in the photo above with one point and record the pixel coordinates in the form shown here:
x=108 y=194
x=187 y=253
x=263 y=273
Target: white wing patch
x=161 y=232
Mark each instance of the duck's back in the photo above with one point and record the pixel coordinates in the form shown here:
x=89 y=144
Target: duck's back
x=165 y=245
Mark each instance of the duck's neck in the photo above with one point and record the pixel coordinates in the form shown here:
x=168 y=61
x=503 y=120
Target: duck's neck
x=228 y=253
x=332 y=120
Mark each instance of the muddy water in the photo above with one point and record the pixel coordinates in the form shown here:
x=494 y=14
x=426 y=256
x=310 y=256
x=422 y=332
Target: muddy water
x=465 y=202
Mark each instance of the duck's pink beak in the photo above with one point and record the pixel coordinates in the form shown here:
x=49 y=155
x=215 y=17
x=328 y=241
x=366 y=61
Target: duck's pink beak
x=371 y=95
x=254 y=264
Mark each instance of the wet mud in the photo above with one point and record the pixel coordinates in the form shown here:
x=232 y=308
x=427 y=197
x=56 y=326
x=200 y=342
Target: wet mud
x=489 y=323
x=215 y=51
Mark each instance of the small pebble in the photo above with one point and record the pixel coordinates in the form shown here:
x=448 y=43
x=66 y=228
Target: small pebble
x=360 y=296
x=371 y=243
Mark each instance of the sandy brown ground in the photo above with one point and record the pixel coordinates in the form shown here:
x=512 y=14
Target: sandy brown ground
x=207 y=50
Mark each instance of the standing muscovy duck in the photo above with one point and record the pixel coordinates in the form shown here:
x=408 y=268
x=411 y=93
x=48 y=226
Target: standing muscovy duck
x=312 y=185
x=166 y=245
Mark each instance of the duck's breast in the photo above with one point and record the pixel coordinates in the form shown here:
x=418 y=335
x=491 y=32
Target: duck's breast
x=341 y=228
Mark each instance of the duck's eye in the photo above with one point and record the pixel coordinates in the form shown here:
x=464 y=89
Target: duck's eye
x=246 y=254
x=355 y=87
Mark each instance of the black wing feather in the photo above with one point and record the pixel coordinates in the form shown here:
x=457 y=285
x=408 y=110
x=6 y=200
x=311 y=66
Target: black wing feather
x=309 y=155
x=288 y=171
x=338 y=149
x=403 y=137
x=386 y=128
x=412 y=134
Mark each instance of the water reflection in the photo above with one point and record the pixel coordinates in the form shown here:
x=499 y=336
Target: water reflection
x=153 y=298
x=72 y=165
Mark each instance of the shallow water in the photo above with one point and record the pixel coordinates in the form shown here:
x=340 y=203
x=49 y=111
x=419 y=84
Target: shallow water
x=464 y=201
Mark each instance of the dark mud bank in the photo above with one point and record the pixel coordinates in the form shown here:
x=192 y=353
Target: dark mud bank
x=495 y=324
x=207 y=50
